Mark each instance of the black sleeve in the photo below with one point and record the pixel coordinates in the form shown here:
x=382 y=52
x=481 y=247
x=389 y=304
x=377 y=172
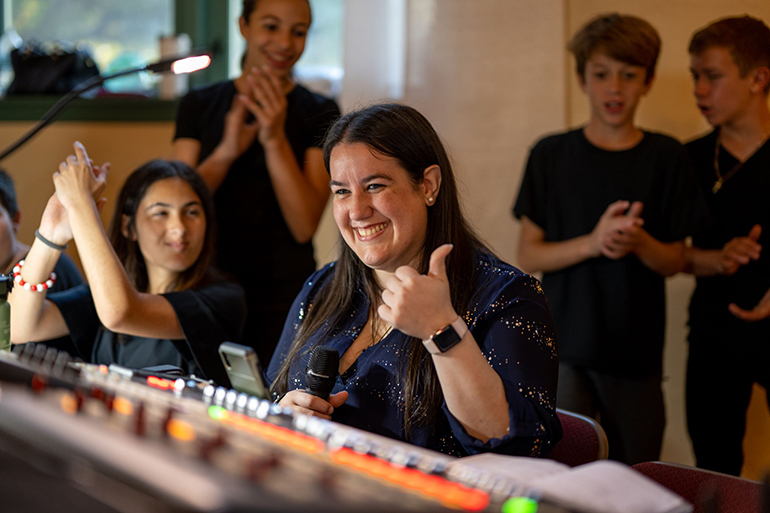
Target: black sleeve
x=321 y=120
x=77 y=307
x=516 y=334
x=209 y=316
x=67 y=276
x=531 y=201
x=186 y=117
x=686 y=211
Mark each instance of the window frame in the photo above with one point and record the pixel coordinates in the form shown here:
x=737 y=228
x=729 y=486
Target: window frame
x=207 y=25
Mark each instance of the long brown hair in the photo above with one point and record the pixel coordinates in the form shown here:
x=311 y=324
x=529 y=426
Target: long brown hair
x=129 y=198
x=406 y=135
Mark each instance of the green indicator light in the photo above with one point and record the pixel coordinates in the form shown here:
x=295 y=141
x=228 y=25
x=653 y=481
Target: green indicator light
x=520 y=505
x=217 y=412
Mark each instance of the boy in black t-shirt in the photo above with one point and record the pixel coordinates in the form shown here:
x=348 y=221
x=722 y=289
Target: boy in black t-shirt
x=604 y=210
x=730 y=64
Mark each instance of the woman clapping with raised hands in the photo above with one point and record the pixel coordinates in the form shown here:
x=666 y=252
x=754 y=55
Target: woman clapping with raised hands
x=152 y=298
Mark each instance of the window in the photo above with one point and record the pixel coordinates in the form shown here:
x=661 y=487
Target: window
x=120 y=34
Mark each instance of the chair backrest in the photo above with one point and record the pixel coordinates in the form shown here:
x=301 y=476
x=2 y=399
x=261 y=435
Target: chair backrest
x=583 y=441
x=702 y=487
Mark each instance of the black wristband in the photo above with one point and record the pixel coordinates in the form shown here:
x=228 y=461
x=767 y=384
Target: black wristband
x=48 y=242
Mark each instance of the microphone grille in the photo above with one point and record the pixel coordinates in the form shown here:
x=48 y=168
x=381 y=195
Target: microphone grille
x=322 y=371
x=324 y=360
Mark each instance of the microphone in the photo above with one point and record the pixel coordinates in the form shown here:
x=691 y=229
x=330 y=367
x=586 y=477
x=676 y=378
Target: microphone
x=321 y=373
x=177 y=65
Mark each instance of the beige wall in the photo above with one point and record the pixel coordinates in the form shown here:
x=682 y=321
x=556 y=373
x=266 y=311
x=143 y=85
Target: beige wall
x=493 y=76
x=490 y=75
x=124 y=145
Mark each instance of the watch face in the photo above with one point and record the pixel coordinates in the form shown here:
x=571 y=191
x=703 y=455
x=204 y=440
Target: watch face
x=446 y=338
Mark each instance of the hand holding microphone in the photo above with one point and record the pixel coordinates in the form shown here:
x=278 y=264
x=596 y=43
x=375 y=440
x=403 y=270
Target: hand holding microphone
x=321 y=374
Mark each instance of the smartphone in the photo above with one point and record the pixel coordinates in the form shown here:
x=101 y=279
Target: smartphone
x=243 y=369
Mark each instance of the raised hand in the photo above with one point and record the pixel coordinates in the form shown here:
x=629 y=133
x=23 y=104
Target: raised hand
x=416 y=304
x=740 y=251
x=268 y=104
x=54 y=224
x=77 y=181
x=617 y=231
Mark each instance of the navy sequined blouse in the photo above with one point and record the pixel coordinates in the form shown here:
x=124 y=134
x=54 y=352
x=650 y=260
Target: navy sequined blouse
x=510 y=320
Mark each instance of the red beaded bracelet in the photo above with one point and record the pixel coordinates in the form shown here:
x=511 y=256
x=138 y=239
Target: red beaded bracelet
x=40 y=287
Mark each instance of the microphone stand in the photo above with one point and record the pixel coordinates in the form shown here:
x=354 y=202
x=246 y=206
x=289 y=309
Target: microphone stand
x=157 y=67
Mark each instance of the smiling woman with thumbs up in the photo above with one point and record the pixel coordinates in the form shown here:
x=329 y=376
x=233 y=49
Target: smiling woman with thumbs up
x=441 y=344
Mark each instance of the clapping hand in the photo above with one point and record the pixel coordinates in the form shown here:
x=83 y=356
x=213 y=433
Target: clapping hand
x=78 y=181
x=268 y=104
x=617 y=232
x=740 y=251
x=54 y=224
x=239 y=133
x=419 y=304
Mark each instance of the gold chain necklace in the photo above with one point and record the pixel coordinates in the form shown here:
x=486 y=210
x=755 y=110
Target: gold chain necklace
x=722 y=179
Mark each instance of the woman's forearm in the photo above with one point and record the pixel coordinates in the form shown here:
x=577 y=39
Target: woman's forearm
x=29 y=320
x=541 y=256
x=112 y=292
x=301 y=201
x=120 y=307
x=473 y=391
x=214 y=169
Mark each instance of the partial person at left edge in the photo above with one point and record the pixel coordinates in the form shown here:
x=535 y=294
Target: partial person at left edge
x=12 y=250
x=256 y=142
x=152 y=297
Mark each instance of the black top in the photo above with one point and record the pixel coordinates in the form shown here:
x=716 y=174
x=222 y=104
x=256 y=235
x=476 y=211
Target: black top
x=610 y=314
x=741 y=203
x=509 y=318
x=247 y=209
x=255 y=244
x=208 y=315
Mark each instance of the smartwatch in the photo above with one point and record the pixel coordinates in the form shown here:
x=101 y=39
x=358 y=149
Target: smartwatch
x=447 y=337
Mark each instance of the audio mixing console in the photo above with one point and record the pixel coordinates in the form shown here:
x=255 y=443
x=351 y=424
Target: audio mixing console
x=85 y=438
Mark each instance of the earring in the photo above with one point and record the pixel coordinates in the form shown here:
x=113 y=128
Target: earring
x=430 y=200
